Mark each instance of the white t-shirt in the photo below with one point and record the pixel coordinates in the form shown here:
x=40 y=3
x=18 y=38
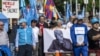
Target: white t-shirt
x=36 y=32
x=68 y=27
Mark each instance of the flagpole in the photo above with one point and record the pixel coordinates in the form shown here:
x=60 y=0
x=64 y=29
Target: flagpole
x=99 y=11
x=10 y=23
x=93 y=7
x=71 y=4
x=65 y=8
x=76 y=8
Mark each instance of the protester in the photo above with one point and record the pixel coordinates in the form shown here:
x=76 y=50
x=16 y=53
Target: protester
x=94 y=36
x=88 y=23
x=53 y=22
x=79 y=38
x=70 y=22
x=68 y=26
x=74 y=21
x=12 y=35
x=25 y=42
x=4 y=41
x=41 y=24
x=36 y=33
x=59 y=24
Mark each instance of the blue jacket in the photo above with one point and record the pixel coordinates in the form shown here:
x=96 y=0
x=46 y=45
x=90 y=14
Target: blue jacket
x=24 y=36
x=74 y=34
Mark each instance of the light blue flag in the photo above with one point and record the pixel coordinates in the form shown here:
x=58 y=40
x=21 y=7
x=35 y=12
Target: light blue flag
x=32 y=3
x=22 y=7
x=68 y=11
x=33 y=9
x=83 y=12
x=22 y=3
x=82 y=15
x=29 y=16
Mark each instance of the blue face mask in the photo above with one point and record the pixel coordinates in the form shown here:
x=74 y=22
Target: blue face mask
x=59 y=35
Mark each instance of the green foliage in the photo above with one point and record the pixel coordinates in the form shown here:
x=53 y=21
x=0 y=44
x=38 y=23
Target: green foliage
x=60 y=4
x=0 y=3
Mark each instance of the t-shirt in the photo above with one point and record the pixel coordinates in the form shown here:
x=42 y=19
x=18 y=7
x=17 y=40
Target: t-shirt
x=4 y=40
x=93 y=44
x=36 y=33
x=69 y=25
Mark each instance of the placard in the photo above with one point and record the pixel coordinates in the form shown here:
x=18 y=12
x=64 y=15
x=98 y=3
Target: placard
x=10 y=8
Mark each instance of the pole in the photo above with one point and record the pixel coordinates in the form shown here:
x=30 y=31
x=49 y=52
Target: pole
x=93 y=7
x=76 y=8
x=99 y=11
x=71 y=4
x=10 y=23
x=86 y=7
x=65 y=8
x=94 y=11
x=86 y=2
x=86 y=11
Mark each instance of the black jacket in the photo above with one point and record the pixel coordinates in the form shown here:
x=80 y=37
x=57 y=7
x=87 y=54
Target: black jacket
x=65 y=46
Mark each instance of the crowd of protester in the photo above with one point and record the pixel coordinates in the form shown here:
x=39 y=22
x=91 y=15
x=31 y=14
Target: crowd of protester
x=24 y=40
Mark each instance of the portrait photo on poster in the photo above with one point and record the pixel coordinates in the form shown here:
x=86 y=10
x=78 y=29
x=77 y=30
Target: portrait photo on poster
x=57 y=40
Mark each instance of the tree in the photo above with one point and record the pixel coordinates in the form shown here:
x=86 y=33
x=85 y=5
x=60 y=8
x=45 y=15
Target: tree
x=0 y=3
x=60 y=6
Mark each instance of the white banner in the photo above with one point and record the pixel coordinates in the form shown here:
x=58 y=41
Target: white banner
x=10 y=8
x=51 y=43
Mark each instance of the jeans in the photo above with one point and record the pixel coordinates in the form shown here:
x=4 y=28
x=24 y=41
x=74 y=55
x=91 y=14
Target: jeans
x=12 y=48
x=81 y=50
x=25 y=50
x=35 y=52
x=5 y=49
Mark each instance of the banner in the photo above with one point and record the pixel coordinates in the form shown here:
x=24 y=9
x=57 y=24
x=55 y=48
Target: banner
x=57 y=40
x=10 y=8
